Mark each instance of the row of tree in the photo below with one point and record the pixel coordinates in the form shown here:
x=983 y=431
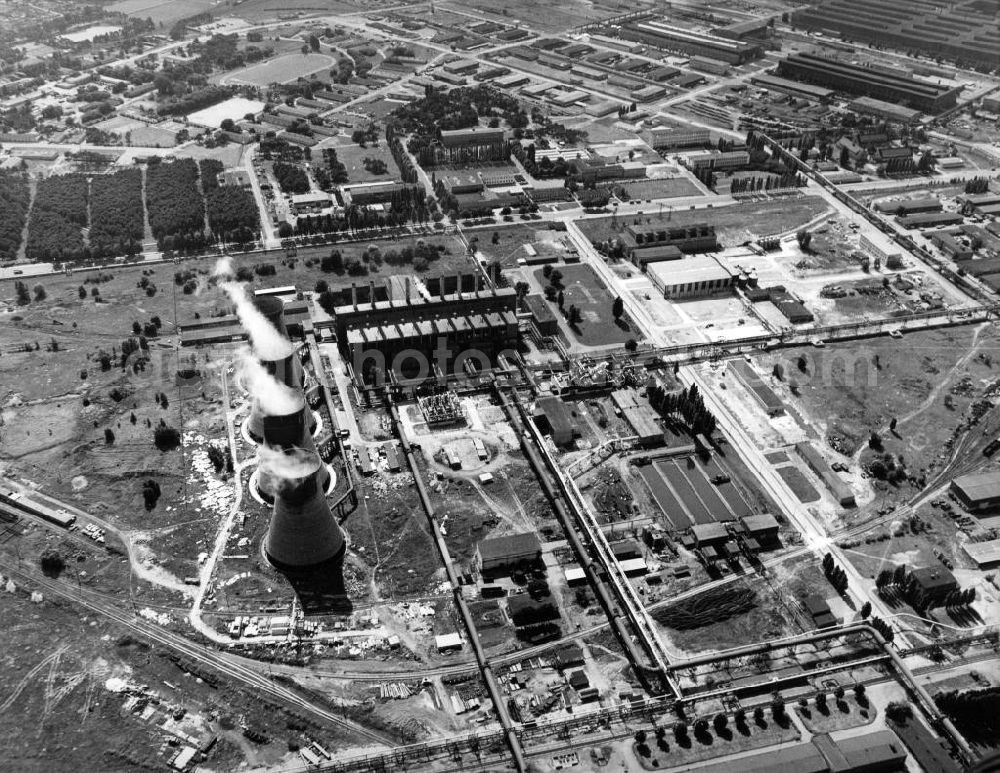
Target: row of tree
x=834 y=573
x=15 y=196
x=117 y=218
x=58 y=214
x=687 y=403
x=232 y=210
x=174 y=202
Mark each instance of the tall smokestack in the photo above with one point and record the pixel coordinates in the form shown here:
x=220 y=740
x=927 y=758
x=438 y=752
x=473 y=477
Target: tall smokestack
x=303 y=531
x=407 y=290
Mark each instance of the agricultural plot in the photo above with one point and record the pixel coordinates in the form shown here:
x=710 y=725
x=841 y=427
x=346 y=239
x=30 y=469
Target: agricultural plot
x=282 y=69
x=58 y=214
x=117 y=216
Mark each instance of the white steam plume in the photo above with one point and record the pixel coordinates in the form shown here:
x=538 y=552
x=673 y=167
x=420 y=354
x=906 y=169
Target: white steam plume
x=224 y=268
x=274 y=398
x=268 y=343
x=289 y=465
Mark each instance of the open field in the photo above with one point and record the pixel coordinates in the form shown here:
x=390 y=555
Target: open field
x=162 y=11
x=547 y=18
x=931 y=382
x=665 y=188
x=767 y=615
x=353 y=158
x=734 y=224
x=585 y=290
x=282 y=69
x=512 y=238
x=73 y=699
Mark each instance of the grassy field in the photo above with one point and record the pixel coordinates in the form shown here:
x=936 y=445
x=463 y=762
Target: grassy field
x=161 y=11
x=353 y=158
x=666 y=188
x=511 y=240
x=585 y=290
x=734 y=224
x=281 y=69
x=927 y=382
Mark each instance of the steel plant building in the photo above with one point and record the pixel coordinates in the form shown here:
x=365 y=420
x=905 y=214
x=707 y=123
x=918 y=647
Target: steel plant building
x=666 y=36
x=870 y=82
x=966 y=32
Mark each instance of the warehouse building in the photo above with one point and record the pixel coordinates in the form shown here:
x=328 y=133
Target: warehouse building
x=841 y=491
x=542 y=316
x=473 y=137
x=731 y=159
x=691 y=239
x=555 y=417
x=882 y=109
x=766 y=396
x=979 y=491
x=930 y=219
x=929 y=586
x=762 y=528
x=668 y=37
x=498 y=556
x=794 y=88
x=909 y=206
x=890 y=86
x=668 y=138
x=643 y=256
x=969 y=34
x=695 y=277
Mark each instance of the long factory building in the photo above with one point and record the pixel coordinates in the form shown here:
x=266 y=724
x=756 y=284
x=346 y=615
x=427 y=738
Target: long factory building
x=966 y=32
x=408 y=315
x=869 y=81
x=658 y=33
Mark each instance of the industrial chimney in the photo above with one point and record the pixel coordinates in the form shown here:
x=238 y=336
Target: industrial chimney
x=303 y=531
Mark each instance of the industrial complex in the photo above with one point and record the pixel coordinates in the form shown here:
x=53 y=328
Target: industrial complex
x=500 y=387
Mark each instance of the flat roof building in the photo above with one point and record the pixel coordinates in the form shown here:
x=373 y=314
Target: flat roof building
x=888 y=85
x=477 y=135
x=840 y=489
x=978 y=492
x=659 y=33
x=500 y=555
x=557 y=418
x=694 y=277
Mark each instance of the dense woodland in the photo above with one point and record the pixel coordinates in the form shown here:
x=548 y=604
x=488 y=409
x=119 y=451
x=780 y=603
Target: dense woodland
x=232 y=211
x=291 y=178
x=14 y=200
x=117 y=219
x=175 y=205
x=58 y=215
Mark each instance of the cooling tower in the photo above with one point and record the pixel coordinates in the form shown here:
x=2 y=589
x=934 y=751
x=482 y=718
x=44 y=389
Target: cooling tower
x=288 y=433
x=303 y=530
x=274 y=310
x=288 y=372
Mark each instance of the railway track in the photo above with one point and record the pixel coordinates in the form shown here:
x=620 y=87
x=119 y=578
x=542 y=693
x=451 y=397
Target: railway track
x=219 y=662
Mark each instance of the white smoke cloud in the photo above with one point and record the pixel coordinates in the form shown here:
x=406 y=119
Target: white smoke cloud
x=275 y=398
x=287 y=465
x=268 y=343
x=224 y=268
